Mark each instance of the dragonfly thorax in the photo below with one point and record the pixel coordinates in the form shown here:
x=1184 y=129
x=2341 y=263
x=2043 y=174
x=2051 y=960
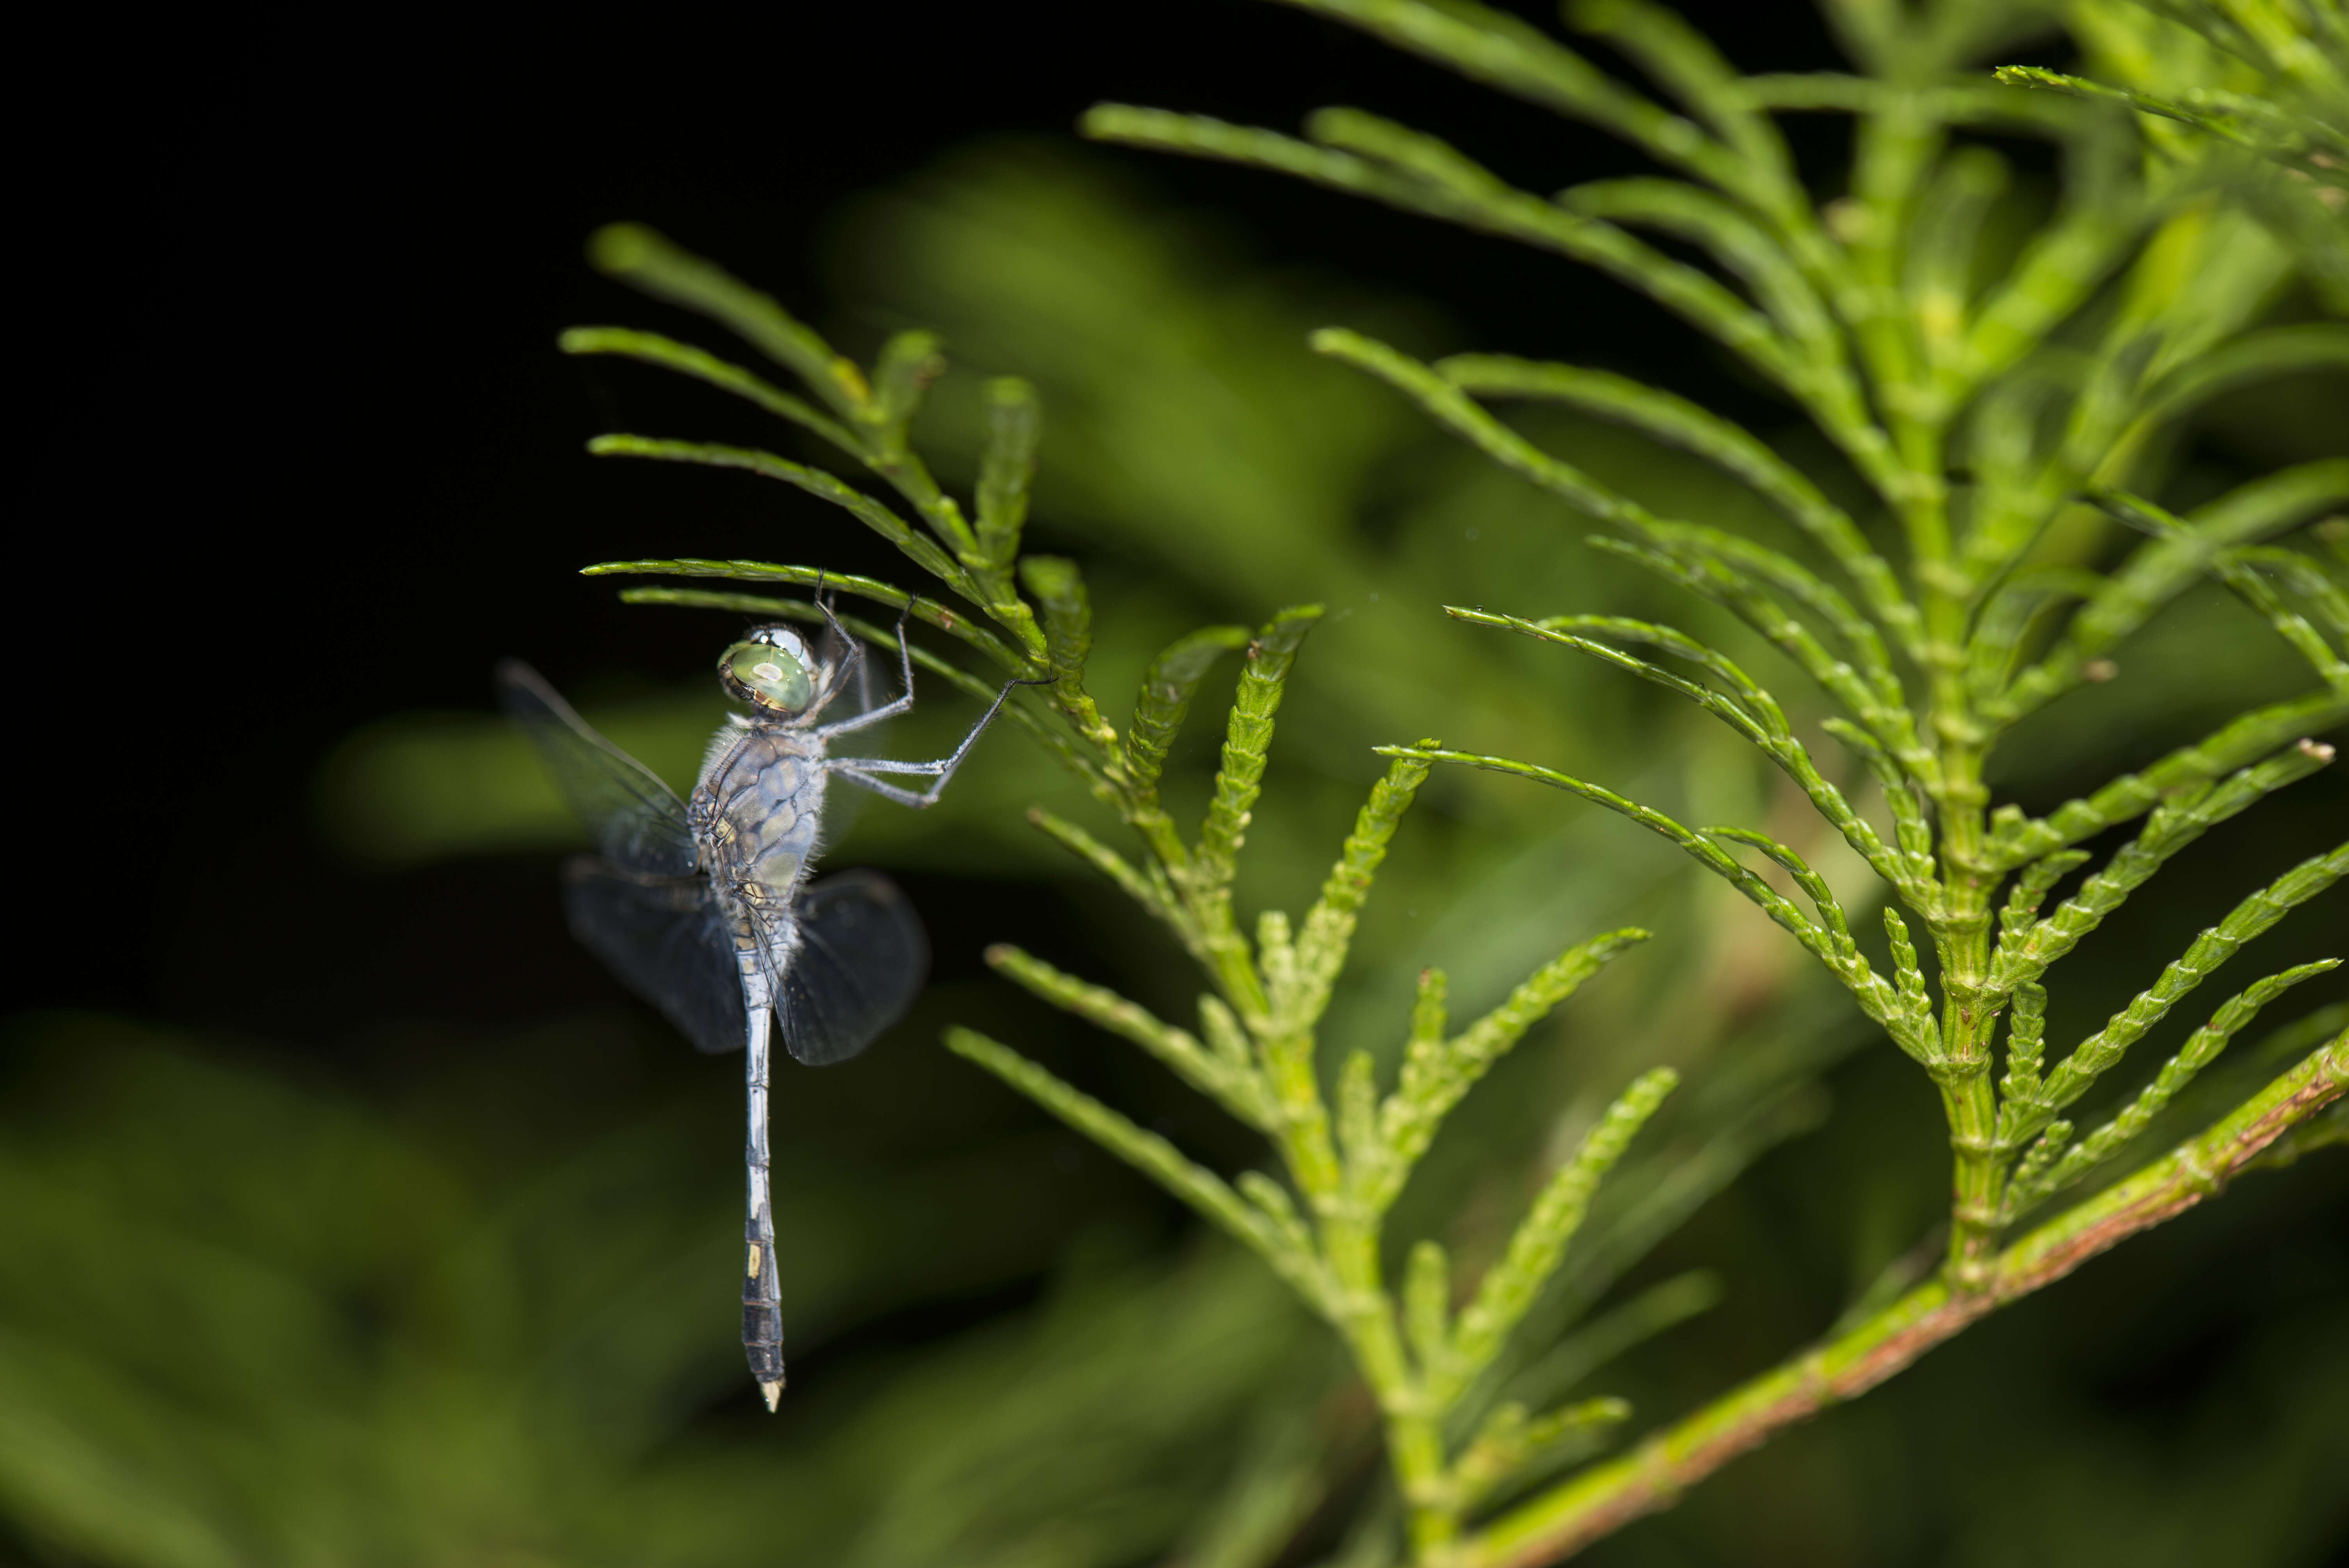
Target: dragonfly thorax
x=757 y=811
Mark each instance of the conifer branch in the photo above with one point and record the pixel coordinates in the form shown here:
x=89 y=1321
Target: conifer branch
x=1598 y=1502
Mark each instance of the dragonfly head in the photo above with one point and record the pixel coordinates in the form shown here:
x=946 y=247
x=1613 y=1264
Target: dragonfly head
x=772 y=671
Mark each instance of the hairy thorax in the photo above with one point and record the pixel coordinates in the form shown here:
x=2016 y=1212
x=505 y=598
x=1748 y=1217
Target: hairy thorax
x=755 y=815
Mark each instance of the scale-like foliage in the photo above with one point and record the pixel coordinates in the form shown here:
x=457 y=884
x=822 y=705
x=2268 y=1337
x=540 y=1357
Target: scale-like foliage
x=1990 y=416
x=1982 y=417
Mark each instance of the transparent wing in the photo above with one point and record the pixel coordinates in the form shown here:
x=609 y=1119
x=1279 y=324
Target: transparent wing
x=637 y=822
x=664 y=939
x=861 y=961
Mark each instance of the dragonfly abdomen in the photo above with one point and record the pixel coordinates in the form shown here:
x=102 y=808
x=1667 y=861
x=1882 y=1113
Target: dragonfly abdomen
x=762 y=1293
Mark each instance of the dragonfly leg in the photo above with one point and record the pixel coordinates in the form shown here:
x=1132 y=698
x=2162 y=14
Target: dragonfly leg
x=859 y=770
x=836 y=680
x=904 y=797
x=902 y=703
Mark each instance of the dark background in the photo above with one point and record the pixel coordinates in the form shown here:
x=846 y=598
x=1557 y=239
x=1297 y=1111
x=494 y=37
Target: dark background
x=305 y=457
x=314 y=434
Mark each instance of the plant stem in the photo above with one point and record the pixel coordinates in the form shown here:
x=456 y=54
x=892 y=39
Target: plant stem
x=1414 y=1442
x=1961 y=920
x=1568 y=1517
x=1969 y=1018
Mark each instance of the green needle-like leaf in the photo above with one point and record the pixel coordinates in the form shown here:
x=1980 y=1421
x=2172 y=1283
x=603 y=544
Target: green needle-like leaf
x=1241 y=1093
x=1688 y=547
x=1688 y=556
x=1511 y=1442
x=1436 y=1073
x=1755 y=714
x=683 y=358
x=1679 y=423
x=1006 y=468
x=1682 y=61
x=921 y=551
x=2062 y=267
x=1911 y=828
x=1503 y=51
x=929 y=611
x=1877 y=998
x=908 y=363
x=1815 y=886
x=1689 y=291
x=1274 y=1201
x=1358 y=1111
x=2200 y=1051
x=1136 y=886
x=2305 y=577
x=2246 y=571
x=2101 y=1051
x=1427 y=1305
x=1539 y=1244
x=1165 y=700
x=2170 y=829
x=2242 y=567
x=1060 y=590
x=1757 y=717
x=2253 y=357
x=2248 y=122
x=2045 y=1151
x=2165 y=567
x=639 y=256
x=1742 y=568
x=1938 y=278
x=1413 y=154
x=1740 y=245
x=1908 y=976
x=2031 y=889
x=1328 y=927
x=1248 y=738
x=2252 y=735
x=1152 y=1155
x=2011 y=624
x=1225 y=1034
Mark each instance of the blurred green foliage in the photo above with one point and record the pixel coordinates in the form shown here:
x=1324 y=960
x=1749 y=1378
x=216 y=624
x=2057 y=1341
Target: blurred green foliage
x=252 y=1322
x=246 y=1318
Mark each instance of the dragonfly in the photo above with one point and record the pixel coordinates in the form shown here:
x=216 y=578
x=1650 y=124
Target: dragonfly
x=703 y=907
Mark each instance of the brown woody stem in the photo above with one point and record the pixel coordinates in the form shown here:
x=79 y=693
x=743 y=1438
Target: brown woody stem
x=1561 y=1522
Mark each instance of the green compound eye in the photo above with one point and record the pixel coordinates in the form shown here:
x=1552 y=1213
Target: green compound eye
x=771 y=675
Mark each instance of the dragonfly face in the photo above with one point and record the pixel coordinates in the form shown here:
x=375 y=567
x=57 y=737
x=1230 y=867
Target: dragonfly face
x=702 y=907
x=773 y=672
